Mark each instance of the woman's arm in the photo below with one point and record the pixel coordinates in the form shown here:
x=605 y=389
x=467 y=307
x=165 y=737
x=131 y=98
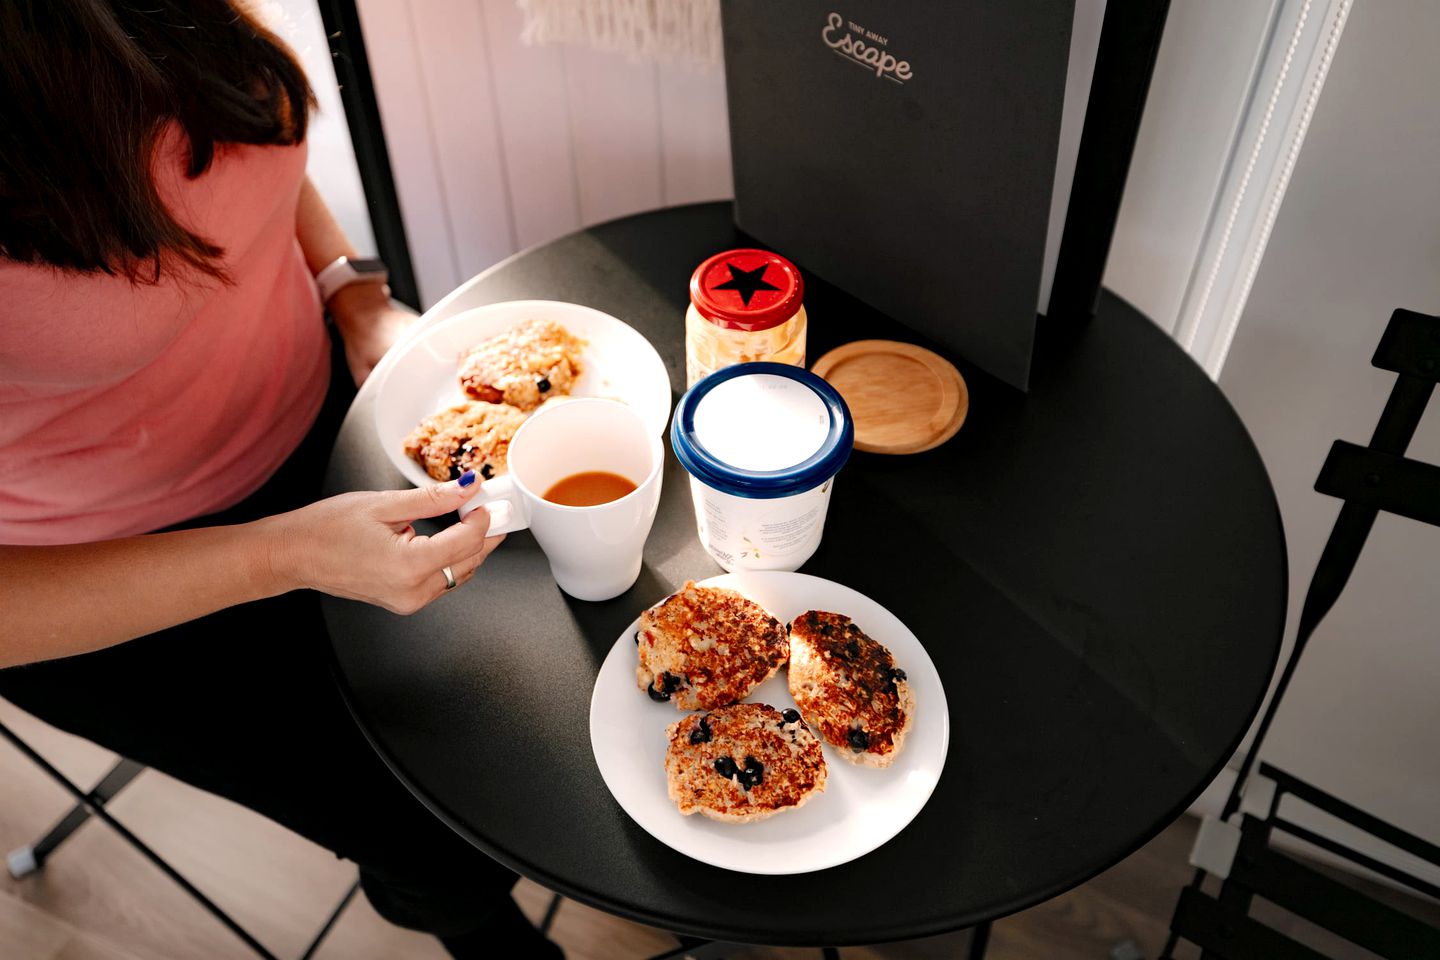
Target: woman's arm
x=368 y=320
x=62 y=600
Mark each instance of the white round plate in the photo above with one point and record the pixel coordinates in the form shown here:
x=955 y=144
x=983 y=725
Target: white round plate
x=861 y=808
x=422 y=375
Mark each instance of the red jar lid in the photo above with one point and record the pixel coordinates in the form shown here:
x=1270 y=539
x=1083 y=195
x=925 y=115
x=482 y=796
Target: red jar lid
x=747 y=289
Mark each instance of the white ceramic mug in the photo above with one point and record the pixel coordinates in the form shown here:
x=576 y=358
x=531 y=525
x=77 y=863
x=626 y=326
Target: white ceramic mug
x=594 y=552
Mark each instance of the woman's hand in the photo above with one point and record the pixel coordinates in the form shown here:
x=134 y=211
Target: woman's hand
x=369 y=322
x=69 y=599
x=362 y=546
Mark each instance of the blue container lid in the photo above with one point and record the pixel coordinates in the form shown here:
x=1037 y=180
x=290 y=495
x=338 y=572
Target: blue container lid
x=762 y=430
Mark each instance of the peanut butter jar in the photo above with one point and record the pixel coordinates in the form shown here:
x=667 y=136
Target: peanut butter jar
x=745 y=306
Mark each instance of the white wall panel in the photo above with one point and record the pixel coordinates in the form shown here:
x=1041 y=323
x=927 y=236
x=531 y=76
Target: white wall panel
x=1209 y=60
x=615 y=131
x=534 y=128
x=456 y=69
x=694 y=134
x=400 y=90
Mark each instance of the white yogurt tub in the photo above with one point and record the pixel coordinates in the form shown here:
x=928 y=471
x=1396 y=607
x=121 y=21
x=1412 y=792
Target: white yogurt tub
x=762 y=443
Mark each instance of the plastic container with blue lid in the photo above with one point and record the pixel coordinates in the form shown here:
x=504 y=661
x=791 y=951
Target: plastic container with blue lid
x=762 y=443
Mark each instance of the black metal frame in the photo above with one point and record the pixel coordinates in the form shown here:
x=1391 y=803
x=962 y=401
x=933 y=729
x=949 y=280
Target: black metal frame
x=1221 y=924
x=1124 y=64
x=92 y=803
x=367 y=136
x=693 y=948
x=1368 y=480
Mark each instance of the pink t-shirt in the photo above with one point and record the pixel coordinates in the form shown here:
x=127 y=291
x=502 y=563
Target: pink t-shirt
x=125 y=408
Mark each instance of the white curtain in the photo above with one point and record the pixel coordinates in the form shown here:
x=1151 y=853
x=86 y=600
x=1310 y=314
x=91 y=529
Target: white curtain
x=660 y=30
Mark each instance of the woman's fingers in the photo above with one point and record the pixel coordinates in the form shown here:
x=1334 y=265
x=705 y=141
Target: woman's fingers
x=455 y=542
x=361 y=546
x=462 y=570
x=403 y=506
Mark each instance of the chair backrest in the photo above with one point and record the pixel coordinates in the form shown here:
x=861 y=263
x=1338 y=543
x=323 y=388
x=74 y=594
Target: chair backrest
x=1379 y=476
x=1369 y=479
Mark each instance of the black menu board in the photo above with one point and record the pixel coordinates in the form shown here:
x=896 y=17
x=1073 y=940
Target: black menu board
x=905 y=152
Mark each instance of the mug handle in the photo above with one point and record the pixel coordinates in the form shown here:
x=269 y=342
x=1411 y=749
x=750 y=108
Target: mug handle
x=503 y=501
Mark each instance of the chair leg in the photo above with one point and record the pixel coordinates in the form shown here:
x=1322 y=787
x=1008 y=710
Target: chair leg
x=979 y=940
x=330 y=921
x=99 y=810
x=693 y=948
x=548 y=921
x=26 y=860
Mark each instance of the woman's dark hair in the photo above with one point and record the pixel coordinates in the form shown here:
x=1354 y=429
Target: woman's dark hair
x=87 y=87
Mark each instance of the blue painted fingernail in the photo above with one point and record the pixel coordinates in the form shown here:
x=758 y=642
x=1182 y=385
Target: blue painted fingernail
x=467 y=478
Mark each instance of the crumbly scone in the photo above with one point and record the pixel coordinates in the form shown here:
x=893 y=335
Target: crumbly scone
x=473 y=435
x=524 y=366
x=848 y=687
x=705 y=647
x=742 y=763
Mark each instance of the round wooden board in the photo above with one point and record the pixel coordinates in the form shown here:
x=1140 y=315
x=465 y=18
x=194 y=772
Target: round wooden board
x=904 y=398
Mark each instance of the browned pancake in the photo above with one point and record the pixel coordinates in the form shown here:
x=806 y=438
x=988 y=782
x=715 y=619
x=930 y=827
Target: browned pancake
x=848 y=687
x=524 y=366
x=705 y=647
x=473 y=435
x=744 y=762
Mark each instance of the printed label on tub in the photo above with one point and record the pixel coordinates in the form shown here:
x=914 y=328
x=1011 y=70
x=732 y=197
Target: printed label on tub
x=776 y=534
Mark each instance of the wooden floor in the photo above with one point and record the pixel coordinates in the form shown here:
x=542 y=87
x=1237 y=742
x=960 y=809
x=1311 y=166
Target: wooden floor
x=100 y=900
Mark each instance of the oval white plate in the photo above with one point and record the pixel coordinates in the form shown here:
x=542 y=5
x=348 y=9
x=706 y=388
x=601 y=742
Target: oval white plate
x=422 y=375
x=861 y=807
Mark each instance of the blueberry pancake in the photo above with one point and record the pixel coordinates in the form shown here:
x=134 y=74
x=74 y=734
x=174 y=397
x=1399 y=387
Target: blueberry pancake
x=705 y=647
x=524 y=366
x=849 y=689
x=473 y=435
x=744 y=762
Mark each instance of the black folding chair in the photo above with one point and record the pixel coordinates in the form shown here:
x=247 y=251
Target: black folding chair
x=27 y=860
x=1239 y=852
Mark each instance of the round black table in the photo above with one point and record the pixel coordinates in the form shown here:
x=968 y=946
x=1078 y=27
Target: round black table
x=1096 y=567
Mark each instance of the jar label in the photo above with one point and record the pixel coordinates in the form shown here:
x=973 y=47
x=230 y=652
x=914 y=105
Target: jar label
x=783 y=531
x=775 y=534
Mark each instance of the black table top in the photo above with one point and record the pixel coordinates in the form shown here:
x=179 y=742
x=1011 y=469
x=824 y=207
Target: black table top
x=1096 y=567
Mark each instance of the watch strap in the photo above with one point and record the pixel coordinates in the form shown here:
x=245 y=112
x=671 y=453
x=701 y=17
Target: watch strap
x=347 y=270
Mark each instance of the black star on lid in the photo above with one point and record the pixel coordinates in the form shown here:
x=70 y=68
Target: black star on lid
x=746 y=282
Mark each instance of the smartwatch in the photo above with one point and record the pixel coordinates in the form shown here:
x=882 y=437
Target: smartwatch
x=346 y=270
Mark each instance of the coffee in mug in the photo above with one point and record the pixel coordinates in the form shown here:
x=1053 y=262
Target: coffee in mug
x=589 y=489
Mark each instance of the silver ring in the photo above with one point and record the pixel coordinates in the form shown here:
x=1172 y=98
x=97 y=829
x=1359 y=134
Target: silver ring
x=449 y=578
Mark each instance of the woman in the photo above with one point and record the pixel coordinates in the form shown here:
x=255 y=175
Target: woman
x=165 y=366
